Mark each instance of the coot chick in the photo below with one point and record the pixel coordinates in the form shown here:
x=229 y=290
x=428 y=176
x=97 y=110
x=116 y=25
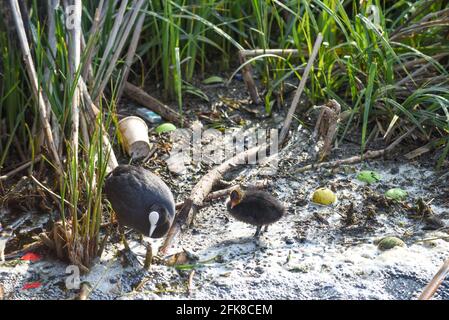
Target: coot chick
x=255 y=207
x=141 y=200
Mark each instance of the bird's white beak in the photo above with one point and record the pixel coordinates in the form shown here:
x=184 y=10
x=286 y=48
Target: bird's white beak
x=153 y=218
x=152 y=228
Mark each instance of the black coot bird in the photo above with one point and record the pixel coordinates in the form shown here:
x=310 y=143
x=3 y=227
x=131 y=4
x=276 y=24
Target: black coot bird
x=141 y=200
x=256 y=207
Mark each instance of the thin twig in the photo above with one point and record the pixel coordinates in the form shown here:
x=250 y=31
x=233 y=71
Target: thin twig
x=302 y=84
x=190 y=283
x=20 y=168
x=369 y=155
x=436 y=281
x=248 y=79
x=143 y=98
x=50 y=192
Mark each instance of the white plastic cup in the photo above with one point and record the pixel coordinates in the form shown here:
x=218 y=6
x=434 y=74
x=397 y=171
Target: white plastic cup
x=135 y=137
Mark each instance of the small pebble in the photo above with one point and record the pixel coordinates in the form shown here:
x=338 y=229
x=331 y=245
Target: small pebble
x=259 y=270
x=394 y=170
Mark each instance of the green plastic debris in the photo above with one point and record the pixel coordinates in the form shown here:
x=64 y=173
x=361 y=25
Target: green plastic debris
x=166 y=127
x=369 y=176
x=396 y=194
x=213 y=80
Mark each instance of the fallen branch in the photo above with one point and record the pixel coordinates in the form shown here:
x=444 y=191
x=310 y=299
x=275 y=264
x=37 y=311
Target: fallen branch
x=143 y=98
x=20 y=168
x=351 y=160
x=436 y=281
x=369 y=155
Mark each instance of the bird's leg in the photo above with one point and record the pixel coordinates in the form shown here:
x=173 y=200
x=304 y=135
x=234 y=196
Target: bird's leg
x=2 y=255
x=266 y=228
x=257 y=235
x=2 y=250
x=148 y=257
x=123 y=238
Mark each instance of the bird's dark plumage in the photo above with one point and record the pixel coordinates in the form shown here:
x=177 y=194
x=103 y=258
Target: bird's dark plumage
x=255 y=207
x=134 y=193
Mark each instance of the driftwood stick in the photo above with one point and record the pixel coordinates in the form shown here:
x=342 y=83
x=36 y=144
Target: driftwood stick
x=143 y=98
x=27 y=248
x=224 y=193
x=436 y=281
x=302 y=84
x=351 y=160
x=29 y=64
x=357 y=159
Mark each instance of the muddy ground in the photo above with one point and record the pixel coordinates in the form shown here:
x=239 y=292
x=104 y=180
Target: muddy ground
x=315 y=252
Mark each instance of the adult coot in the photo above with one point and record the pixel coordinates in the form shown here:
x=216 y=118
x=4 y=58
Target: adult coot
x=141 y=200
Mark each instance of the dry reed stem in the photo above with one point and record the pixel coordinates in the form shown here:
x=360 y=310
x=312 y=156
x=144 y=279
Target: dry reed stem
x=37 y=90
